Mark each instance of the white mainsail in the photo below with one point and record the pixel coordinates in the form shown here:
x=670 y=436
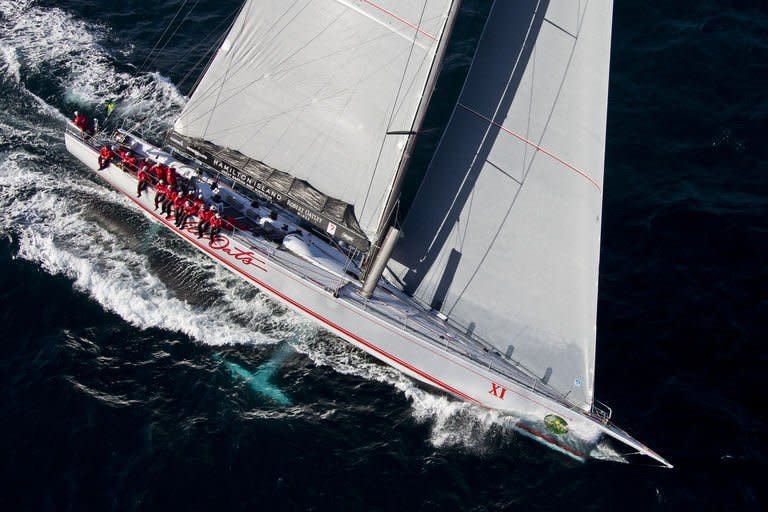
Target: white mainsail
x=504 y=234
x=312 y=88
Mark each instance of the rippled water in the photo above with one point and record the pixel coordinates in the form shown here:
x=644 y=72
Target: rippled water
x=121 y=347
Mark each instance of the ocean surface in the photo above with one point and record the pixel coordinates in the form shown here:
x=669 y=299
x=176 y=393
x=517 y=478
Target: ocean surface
x=123 y=351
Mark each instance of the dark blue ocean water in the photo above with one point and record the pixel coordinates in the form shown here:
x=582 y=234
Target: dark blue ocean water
x=118 y=345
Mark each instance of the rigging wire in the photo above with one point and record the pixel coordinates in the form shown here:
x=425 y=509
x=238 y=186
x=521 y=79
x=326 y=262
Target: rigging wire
x=170 y=38
x=205 y=41
x=167 y=28
x=216 y=43
x=235 y=15
x=394 y=109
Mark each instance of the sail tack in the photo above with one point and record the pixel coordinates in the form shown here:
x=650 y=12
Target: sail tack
x=325 y=90
x=504 y=234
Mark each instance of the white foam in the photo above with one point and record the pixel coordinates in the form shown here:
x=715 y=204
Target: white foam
x=452 y=423
x=35 y=38
x=10 y=62
x=604 y=451
x=52 y=231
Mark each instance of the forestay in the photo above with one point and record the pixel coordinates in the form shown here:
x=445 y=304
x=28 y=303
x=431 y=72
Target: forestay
x=312 y=88
x=504 y=234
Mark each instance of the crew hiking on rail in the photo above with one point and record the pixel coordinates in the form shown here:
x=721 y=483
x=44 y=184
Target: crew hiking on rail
x=173 y=200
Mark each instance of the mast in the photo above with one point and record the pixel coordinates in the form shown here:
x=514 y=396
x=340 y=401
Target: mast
x=394 y=194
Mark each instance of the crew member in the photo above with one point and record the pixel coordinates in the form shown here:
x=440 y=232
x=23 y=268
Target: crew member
x=129 y=160
x=204 y=223
x=216 y=223
x=178 y=203
x=161 y=191
x=158 y=171
x=170 y=176
x=189 y=208
x=170 y=197
x=144 y=165
x=105 y=157
x=199 y=204
x=144 y=179
x=81 y=121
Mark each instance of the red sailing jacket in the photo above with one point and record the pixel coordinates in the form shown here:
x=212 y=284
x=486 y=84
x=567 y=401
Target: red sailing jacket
x=190 y=207
x=128 y=160
x=157 y=171
x=179 y=201
x=170 y=176
x=81 y=122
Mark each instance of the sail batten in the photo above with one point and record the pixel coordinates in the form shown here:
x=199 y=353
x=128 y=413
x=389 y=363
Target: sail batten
x=503 y=235
x=325 y=90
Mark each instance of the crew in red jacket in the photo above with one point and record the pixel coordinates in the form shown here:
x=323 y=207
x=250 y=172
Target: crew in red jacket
x=129 y=160
x=199 y=204
x=205 y=217
x=81 y=122
x=189 y=208
x=170 y=197
x=144 y=180
x=158 y=171
x=105 y=157
x=161 y=191
x=216 y=223
x=170 y=176
x=178 y=204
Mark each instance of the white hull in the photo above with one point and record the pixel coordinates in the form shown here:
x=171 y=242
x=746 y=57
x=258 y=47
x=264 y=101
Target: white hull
x=386 y=337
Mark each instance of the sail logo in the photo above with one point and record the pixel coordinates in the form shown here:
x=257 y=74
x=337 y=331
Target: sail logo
x=498 y=391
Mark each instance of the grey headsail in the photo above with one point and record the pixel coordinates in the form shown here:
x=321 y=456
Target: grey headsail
x=504 y=234
x=324 y=90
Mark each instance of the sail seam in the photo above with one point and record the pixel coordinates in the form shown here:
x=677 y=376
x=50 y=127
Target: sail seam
x=533 y=145
x=402 y=20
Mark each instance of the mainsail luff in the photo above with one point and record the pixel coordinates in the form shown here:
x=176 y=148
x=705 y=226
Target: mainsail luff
x=405 y=161
x=503 y=236
x=331 y=100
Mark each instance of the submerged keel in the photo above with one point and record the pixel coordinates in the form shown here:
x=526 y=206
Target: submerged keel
x=260 y=381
